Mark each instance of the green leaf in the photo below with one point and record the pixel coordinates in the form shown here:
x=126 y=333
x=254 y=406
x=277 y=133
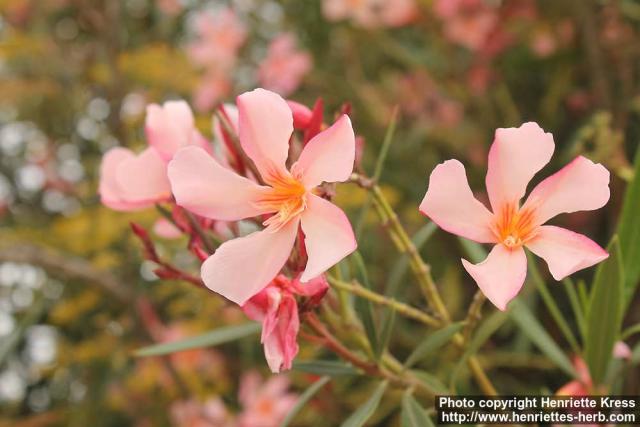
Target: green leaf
x=385 y=332
x=413 y=415
x=532 y=328
x=432 y=343
x=384 y=150
x=604 y=315
x=482 y=334
x=431 y=382
x=325 y=367
x=303 y=399
x=366 y=410
x=552 y=306
x=635 y=354
x=210 y=339
x=629 y=232
x=363 y=307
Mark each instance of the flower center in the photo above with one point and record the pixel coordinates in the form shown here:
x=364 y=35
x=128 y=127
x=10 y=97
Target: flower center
x=287 y=198
x=514 y=227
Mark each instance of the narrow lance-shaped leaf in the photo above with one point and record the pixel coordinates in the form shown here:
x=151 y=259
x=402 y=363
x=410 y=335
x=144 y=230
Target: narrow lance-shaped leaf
x=604 y=316
x=303 y=399
x=532 y=328
x=385 y=332
x=209 y=339
x=366 y=410
x=413 y=415
x=364 y=307
x=629 y=232
x=432 y=343
x=325 y=367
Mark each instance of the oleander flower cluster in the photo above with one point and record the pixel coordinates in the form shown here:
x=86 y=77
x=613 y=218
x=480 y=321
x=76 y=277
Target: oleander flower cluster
x=247 y=175
x=271 y=168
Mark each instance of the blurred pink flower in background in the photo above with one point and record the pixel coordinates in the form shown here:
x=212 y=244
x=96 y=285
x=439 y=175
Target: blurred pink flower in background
x=264 y=404
x=277 y=309
x=219 y=37
x=191 y=413
x=583 y=386
x=131 y=182
x=214 y=85
x=170 y=7
x=203 y=186
x=420 y=96
x=285 y=65
x=516 y=155
x=371 y=13
x=466 y=22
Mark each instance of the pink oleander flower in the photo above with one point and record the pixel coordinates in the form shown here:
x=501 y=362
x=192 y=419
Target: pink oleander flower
x=276 y=307
x=264 y=404
x=192 y=413
x=242 y=267
x=371 y=13
x=129 y=181
x=213 y=86
x=583 y=385
x=516 y=155
x=466 y=22
x=219 y=37
x=285 y=65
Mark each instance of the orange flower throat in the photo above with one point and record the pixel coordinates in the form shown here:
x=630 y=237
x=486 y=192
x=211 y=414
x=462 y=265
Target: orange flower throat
x=513 y=228
x=287 y=198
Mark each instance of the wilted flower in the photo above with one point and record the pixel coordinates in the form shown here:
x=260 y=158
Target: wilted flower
x=276 y=307
x=129 y=181
x=516 y=155
x=242 y=267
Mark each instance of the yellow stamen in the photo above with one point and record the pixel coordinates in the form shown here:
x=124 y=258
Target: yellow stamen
x=513 y=227
x=287 y=198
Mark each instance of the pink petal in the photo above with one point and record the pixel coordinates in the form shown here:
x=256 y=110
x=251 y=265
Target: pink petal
x=301 y=114
x=329 y=156
x=281 y=346
x=265 y=126
x=109 y=189
x=242 y=267
x=621 y=350
x=565 y=251
x=166 y=229
x=500 y=276
x=203 y=186
x=450 y=203
x=143 y=179
x=580 y=186
x=516 y=155
x=170 y=127
x=328 y=236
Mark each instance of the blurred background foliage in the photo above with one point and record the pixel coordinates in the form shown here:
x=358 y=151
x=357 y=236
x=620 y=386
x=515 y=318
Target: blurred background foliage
x=77 y=297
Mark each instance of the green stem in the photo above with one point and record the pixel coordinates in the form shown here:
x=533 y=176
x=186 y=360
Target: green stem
x=421 y=271
x=399 y=307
